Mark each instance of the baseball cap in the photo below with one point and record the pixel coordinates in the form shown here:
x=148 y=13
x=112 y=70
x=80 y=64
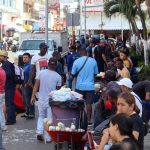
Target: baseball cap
x=126 y=82
x=52 y=61
x=3 y=53
x=43 y=45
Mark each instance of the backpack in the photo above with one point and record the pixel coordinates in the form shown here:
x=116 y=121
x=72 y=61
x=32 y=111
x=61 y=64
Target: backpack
x=19 y=75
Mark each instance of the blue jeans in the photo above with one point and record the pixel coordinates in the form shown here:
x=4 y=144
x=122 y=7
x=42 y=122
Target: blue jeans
x=10 y=106
x=2 y=117
x=27 y=93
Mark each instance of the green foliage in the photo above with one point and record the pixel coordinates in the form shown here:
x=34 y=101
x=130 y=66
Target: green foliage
x=125 y=7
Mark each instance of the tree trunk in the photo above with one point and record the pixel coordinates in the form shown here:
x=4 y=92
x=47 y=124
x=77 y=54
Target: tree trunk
x=147 y=2
x=141 y=15
x=134 y=27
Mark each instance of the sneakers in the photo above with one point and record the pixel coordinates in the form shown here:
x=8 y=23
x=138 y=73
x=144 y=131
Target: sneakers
x=90 y=124
x=24 y=116
x=4 y=128
x=30 y=117
x=40 y=137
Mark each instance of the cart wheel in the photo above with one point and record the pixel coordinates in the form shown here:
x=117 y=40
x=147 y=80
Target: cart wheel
x=65 y=146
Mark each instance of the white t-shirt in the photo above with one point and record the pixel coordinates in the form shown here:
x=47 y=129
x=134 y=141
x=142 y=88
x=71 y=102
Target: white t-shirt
x=41 y=62
x=49 y=80
x=138 y=103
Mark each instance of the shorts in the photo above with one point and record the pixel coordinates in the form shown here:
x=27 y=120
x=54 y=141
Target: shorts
x=88 y=96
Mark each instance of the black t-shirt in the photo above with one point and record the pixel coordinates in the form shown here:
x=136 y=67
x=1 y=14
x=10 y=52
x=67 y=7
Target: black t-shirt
x=138 y=126
x=98 y=51
x=141 y=88
x=126 y=144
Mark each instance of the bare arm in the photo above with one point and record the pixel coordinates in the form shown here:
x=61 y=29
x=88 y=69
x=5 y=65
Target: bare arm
x=135 y=134
x=104 y=58
x=35 y=89
x=147 y=96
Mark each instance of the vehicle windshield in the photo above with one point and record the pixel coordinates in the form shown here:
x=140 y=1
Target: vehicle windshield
x=34 y=45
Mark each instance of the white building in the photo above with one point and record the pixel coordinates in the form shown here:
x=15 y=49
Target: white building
x=96 y=20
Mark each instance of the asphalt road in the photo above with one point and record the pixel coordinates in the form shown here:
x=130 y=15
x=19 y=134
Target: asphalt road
x=22 y=136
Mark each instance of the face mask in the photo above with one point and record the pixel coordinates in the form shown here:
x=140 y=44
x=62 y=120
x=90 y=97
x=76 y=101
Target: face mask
x=108 y=105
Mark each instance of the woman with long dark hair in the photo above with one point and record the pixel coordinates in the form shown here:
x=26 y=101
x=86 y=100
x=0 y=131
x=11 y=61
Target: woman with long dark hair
x=120 y=131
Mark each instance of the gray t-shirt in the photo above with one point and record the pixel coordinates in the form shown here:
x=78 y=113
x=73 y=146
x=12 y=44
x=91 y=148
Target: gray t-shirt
x=49 y=80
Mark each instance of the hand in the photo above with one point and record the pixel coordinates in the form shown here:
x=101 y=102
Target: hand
x=33 y=99
x=106 y=136
x=29 y=84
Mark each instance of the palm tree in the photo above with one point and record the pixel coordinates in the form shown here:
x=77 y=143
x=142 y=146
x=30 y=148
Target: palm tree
x=125 y=7
x=142 y=17
x=148 y=6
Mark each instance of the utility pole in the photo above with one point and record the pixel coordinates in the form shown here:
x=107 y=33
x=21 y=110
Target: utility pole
x=85 y=18
x=46 y=21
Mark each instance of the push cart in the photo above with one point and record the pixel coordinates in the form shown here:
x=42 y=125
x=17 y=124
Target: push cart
x=69 y=112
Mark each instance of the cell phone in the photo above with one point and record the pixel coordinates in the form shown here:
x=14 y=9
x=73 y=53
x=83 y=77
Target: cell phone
x=91 y=140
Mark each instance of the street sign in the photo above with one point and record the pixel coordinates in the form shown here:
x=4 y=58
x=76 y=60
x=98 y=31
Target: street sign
x=73 y=19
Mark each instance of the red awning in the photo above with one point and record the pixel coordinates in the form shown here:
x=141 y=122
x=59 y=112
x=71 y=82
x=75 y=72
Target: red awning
x=2 y=26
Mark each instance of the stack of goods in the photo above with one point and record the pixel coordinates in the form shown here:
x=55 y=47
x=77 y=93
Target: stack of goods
x=60 y=126
x=65 y=94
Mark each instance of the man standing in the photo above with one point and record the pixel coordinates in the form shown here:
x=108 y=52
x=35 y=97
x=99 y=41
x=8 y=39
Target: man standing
x=46 y=81
x=85 y=78
x=99 y=55
x=9 y=87
x=27 y=90
x=38 y=62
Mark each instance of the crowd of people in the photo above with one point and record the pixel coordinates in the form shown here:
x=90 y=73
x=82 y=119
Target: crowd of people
x=123 y=107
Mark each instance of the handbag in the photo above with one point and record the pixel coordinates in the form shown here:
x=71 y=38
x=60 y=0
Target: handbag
x=76 y=75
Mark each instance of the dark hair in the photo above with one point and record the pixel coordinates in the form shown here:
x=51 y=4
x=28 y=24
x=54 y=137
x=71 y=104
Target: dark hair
x=73 y=47
x=124 y=146
x=110 y=75
x=27 y=54
x=52 y=63
x=120 y=60
x=129 y=99
x=60 y=49
x=124 y=124
x=82 y=48
x=113 y=93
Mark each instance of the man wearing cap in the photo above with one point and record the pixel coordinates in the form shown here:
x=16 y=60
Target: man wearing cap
x=39 y=62
x=46 y=81
x=9 y=87
x=126 y=86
